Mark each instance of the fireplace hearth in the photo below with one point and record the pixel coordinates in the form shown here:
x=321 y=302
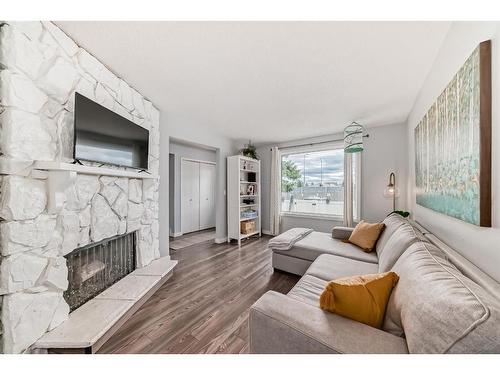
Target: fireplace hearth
x=94 y=268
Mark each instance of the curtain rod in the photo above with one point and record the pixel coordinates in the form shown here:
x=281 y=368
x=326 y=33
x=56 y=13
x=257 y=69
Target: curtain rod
x=316 y=143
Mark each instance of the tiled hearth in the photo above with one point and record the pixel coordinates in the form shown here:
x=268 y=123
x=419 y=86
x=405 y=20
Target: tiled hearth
x=92 y=324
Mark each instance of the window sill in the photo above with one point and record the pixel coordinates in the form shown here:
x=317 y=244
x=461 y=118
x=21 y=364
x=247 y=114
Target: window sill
x=312 y=216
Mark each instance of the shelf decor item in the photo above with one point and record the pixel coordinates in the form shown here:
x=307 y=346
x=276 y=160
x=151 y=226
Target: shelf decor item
x=248 y=214
x=248 y=200
x=248 y=227
x=453 y=145
x=250 y=151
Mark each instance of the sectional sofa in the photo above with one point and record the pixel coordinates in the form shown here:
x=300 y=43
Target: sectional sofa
x=441 y=304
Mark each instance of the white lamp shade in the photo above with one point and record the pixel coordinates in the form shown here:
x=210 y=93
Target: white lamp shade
x=391 y=191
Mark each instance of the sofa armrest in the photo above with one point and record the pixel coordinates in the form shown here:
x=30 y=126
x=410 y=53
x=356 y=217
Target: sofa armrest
x=341 y=233
x=282 y=324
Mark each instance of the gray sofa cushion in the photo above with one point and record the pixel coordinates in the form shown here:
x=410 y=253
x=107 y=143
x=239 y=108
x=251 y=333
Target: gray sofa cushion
x=341 y=233
x=392 y=222
x=331 y=267
x=396 y=245
x=281 y=324
x=318 y=243
x=439 y=309
x=308 y=290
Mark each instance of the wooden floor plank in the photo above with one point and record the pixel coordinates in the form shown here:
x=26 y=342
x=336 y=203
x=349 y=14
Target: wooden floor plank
x=204 y=306
x=178 y=243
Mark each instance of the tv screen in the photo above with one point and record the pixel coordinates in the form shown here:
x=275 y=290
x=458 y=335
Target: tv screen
x=104 y=136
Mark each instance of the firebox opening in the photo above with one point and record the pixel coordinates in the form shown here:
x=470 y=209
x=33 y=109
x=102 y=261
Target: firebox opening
x=95 y=267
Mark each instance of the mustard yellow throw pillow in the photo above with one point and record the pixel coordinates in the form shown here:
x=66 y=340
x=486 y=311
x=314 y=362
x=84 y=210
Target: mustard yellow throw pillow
x=365 y=235
x=362 y=298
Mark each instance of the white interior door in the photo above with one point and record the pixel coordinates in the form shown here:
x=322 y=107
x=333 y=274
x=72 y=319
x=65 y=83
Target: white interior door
x=207 y=196
x=190 y=196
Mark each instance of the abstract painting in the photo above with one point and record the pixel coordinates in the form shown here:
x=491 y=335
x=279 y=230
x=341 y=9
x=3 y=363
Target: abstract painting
x=453 y=145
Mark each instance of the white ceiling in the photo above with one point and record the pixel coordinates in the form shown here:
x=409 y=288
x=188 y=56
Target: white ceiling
x=269 y=81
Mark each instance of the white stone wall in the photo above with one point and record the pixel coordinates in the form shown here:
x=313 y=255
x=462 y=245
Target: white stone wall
x=40 y=70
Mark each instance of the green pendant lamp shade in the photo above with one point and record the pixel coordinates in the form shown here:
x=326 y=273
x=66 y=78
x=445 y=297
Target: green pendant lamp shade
x=353 y=138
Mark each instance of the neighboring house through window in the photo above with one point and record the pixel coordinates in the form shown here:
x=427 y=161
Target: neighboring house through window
x=313 y=181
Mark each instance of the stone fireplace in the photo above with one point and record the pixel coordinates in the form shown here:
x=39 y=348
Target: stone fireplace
x=51 y=209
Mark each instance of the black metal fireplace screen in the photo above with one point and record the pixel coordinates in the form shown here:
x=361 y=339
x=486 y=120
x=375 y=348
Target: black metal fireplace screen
x=95 y=267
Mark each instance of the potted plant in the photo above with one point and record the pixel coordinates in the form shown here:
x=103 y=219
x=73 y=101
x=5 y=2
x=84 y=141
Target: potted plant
x=249 y=151
x=402 y=213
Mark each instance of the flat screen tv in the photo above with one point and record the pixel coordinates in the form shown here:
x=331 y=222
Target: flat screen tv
x=104 y=136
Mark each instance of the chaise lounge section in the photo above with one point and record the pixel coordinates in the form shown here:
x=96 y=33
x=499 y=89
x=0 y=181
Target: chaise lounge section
x=434 y=308
x=299 y=258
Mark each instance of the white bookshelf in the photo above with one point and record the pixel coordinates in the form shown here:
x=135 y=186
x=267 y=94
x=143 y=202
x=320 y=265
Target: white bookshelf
x=238 y=170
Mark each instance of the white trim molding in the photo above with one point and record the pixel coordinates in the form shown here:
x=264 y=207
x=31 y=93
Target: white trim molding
x=306 y=215
x=220 y=240
x=197 y=161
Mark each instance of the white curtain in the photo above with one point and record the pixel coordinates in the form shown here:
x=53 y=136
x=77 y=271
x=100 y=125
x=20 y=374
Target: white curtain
x=348 y=196
x=275 y=201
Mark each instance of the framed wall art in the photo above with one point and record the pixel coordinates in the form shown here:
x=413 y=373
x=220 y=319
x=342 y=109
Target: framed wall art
x=453 y=145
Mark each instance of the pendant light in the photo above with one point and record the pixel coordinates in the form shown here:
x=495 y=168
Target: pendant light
x=353 y=138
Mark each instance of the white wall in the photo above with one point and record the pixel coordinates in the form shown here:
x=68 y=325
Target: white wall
x=175 y=127
x=479 y=245
x=385 y=152
x=171 y=192
x=180 y=151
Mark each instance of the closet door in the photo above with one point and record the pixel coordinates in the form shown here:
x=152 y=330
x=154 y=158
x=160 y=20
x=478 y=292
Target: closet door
x=207 y=196
x=190 y=196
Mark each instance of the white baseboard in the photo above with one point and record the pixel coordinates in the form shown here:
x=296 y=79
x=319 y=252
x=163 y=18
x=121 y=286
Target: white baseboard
x=220 y=240
x=178 y=234
x=268 y=232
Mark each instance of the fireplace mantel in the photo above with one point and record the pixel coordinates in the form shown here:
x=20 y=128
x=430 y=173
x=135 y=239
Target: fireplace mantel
x=84 y=169
x=60 y=175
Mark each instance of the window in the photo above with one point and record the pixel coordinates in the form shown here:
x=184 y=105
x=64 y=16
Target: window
x=312 y=182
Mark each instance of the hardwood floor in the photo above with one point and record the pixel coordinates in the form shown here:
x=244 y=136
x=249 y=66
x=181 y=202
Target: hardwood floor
x=186 y=240
x=204 y=307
